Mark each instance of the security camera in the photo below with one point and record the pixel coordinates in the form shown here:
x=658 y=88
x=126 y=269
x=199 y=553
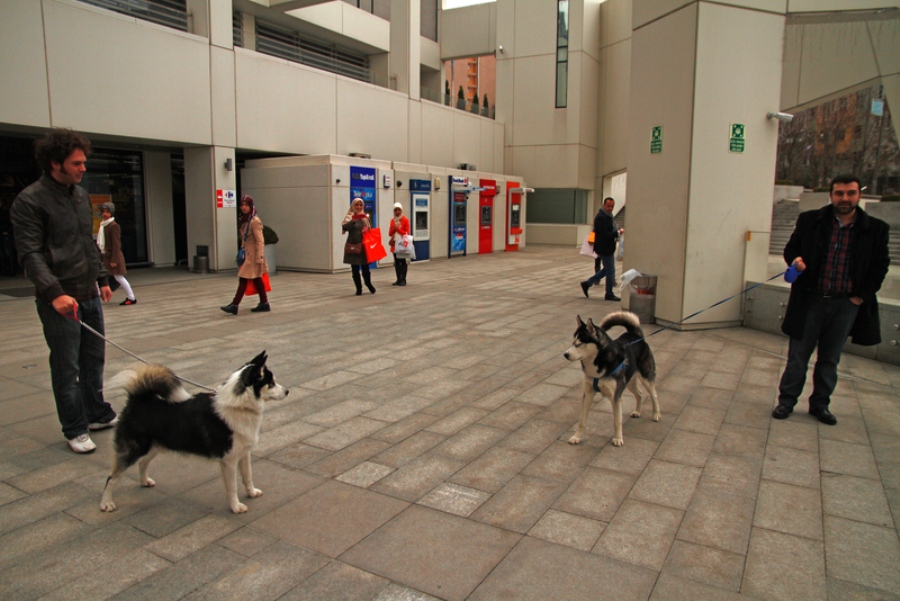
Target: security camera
x=785 y=117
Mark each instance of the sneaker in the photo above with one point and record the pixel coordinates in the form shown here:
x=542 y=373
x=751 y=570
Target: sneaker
x=129 y=301
x=82 y=444
x=104 y=425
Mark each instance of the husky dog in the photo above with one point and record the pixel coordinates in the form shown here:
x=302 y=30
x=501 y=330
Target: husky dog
x=612 y=365
x=160 y=415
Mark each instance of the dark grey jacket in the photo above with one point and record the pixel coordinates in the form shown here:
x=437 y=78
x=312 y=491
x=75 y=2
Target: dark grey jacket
x=53 y=226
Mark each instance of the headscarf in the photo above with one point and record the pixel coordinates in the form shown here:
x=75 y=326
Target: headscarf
x=242 y=218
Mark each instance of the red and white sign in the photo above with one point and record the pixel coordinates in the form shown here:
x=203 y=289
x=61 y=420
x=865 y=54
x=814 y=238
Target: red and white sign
x=226 y=199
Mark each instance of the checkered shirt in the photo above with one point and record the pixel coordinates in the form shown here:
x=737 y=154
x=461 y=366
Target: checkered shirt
x=835 y=277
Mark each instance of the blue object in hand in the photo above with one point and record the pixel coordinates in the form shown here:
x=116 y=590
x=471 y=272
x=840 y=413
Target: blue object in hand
x=791 y=274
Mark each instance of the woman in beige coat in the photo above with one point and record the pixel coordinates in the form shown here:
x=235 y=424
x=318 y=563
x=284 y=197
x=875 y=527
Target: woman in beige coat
x=254 y=266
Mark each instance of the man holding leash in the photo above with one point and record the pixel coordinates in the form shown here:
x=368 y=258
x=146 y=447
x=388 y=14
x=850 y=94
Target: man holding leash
x=53 y=225
x=605 y=235
x=842 y=255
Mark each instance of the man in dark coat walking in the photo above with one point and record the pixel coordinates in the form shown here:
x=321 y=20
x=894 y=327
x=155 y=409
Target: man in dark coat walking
x=605 y=235
x=842 y=256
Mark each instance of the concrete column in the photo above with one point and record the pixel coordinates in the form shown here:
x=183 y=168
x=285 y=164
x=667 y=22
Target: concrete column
x=695 y=72
x=406 y=53
x=207 y=225
x=160 y=216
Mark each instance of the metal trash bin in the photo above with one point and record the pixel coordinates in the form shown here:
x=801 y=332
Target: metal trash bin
x=642 y=299
x=201 y=259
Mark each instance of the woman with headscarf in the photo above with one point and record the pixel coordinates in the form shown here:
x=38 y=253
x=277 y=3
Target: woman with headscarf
x=109 y=240
x=399 y=228
x=250 y=228
x=355 y=223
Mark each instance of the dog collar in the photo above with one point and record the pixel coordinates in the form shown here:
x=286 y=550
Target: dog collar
x=612 y=373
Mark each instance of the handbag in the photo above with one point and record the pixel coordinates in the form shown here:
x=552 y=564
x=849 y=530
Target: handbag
x=374 y=248
x=587 y=247
x=242 y=254
x=251 y=287
x=404 y=247
x=351 y=248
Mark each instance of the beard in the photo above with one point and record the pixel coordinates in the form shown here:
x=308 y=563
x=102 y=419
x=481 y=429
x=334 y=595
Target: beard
x=844 y=208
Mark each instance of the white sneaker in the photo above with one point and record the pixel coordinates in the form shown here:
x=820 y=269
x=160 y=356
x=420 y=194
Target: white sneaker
x=82 y=444
x=103 y=425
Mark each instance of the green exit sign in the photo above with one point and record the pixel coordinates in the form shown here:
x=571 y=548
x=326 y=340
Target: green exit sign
x=656 y=139
x=737 y=139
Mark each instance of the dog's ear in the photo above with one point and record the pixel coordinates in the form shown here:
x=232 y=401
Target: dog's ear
x=591 y=327
x=580 y=323
x=260 y=359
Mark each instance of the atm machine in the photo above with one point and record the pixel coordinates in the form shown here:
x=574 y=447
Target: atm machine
x=459 y=196
x=362 y=185
x=514 y=196
x=486 y=195
x=420 y=201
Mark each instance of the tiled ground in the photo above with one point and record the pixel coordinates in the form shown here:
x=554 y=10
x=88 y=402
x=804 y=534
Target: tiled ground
x=422 y=455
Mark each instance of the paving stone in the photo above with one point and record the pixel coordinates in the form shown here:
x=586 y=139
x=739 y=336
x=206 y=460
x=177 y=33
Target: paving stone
x=246 y=541
x=752 y=415
x=567 y=529
x=365 y=474
x=430 y=551
x=54 y=530
x=405 y=428
x=784 y=567
x=520 y=503
x=411 y=448
x=710 y=566
x=331 y=518
x=338 y=580
x=454 y=499
x=667 y=484
x=857 y=499
x=412 y=481
x=789 y=509
x=640 y=534
x=596 y=494
x=673 y=588
x=742 y=441
x=561 y=461
x=335 y=464
x=492 y=470
x=791 y=466
x=538 y=570
x=191 y=538
x=846 y=458
x=862 y=553
x=848 y=591
x=630 y=459
x=719 y=516
x=124 y=572
x=470 y=442
x=688 y=448
x=794 y=434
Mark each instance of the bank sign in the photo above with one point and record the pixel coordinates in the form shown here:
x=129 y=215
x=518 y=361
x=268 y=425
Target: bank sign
x=362 y=185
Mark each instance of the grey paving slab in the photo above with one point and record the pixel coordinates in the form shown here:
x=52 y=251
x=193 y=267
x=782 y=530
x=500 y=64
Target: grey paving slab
x=406 y=460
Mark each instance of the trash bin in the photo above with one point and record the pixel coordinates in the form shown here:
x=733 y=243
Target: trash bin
x=642 y=300
x=201 y=260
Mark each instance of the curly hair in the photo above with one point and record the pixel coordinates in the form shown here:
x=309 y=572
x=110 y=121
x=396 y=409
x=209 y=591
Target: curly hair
x=57 y=145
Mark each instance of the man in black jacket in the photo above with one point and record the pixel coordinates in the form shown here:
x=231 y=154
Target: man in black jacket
x=842 y=256
x=605 y=235
x=53 y=224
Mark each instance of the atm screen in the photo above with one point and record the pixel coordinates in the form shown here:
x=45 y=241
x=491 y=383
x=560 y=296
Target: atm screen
x=514 y=217
x=421 y=221
x=459 y=213
x=486 y=215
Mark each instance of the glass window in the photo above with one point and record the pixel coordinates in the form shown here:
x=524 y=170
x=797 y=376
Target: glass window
x=562 y=53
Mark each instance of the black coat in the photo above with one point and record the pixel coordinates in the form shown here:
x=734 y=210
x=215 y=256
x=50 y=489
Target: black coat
x=605 y=234
x=869 y=260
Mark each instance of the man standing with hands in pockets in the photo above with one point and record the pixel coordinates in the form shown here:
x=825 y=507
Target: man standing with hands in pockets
x=53 y=224
x=842 y=255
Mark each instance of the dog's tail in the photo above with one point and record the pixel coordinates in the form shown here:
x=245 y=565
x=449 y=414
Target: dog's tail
x=626 y=319
x=150 y=381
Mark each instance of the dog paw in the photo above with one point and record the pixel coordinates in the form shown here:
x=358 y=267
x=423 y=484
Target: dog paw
x=618 y=442
x=107 y=506
x=575 y=439
x=148 y=483
x=254 y=492
x=239 y=508
x=656 y=416
x=635 y=414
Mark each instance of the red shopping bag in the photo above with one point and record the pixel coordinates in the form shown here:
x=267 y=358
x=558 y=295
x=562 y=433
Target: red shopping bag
x=251 y=288
x=372 y=243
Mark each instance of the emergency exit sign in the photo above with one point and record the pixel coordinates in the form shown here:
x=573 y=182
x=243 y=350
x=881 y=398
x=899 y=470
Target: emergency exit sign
x=736 y=140
x=656 y=139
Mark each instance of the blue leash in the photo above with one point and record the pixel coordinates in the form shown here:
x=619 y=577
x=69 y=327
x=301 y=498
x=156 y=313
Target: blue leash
x=669 y=327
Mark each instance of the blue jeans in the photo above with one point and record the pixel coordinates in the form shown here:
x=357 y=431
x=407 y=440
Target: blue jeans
x=828 y=324
x=76 y=366
x=609 y=270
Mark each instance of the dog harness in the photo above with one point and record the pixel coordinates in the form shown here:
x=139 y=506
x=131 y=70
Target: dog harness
x=612 y=373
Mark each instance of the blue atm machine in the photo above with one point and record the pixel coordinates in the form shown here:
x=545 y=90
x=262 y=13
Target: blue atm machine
x=420 y=197
x=459 y=196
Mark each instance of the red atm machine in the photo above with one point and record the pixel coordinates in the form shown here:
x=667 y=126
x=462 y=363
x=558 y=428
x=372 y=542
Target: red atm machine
x=514 y=195
x=486 y=215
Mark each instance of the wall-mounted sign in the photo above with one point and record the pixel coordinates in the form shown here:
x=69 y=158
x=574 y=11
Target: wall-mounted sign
x=656 y=139
x=736 y=141
x=226 y=199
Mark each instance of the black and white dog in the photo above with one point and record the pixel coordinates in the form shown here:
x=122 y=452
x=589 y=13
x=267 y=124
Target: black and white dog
x=612 y=365
x=160 y=415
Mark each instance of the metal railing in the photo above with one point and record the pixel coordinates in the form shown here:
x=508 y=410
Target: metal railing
x=286 y=44
x=170 y=13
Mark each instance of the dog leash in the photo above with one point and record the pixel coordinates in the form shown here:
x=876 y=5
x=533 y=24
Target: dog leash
x=724 y=300
x=127 y=352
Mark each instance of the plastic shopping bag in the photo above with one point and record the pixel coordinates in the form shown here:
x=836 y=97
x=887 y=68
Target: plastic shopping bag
x=372 y=243
x=587 y=247
x=404 y=247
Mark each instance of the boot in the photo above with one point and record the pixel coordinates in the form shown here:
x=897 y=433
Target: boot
x=398 y=270
x=368 y=278
x=357 y=282
x=403 y=269
x=230 y=308
x=261 y=308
